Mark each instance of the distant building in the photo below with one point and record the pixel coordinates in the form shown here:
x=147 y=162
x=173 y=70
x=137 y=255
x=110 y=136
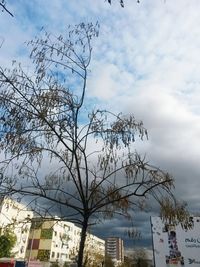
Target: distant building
x=115 y=249
x=17 y=217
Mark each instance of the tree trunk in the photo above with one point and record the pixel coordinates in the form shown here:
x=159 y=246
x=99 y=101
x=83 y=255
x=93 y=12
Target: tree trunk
x=82 y=243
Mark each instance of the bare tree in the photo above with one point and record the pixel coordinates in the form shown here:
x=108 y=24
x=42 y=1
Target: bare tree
x=121 y=2
x=4 y=8
x=44 y=119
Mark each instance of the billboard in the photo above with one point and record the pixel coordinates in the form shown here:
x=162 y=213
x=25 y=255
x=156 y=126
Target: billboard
x=174 y=246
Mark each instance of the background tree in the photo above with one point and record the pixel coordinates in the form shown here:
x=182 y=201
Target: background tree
x=7 y=243
x=82 y=163
x=140 y=258
x=128 y=262
x=108 y=262
x=93 y=253
x=93 y=259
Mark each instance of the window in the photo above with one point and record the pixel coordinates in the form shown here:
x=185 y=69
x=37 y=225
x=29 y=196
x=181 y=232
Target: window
x=58 y=254
x=67 y=227
x=53 y=254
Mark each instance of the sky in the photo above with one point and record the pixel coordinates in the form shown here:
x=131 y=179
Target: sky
x=145 y=62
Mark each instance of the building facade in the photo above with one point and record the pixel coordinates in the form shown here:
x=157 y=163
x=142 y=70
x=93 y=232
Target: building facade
x=115 y=249
x=16 y=217
x=51 y=240
x=94 y=250
x=58 y=241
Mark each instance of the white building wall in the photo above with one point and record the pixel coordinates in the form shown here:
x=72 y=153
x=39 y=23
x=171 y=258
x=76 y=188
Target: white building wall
x=95 y=244
x=16 y=216
x=65 y=240
x=66 y=249
x=62 y=241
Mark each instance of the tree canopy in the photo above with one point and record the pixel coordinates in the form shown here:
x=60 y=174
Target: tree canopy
x=82 y=163
x=7 y=242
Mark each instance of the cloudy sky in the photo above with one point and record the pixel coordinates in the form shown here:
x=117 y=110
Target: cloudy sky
x=146 y=62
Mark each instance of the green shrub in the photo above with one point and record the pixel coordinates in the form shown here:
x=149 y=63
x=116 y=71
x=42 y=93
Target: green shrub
x=54 y=264
x=43 y=255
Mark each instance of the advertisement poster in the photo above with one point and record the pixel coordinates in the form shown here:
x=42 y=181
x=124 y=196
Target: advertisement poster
x=174 y=246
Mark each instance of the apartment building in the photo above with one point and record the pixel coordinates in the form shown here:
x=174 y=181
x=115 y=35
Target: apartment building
x=50 y=240
x=94 y=249
x=115 y=249
x=17 y=217
x=58 y=241
x=46 y=239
